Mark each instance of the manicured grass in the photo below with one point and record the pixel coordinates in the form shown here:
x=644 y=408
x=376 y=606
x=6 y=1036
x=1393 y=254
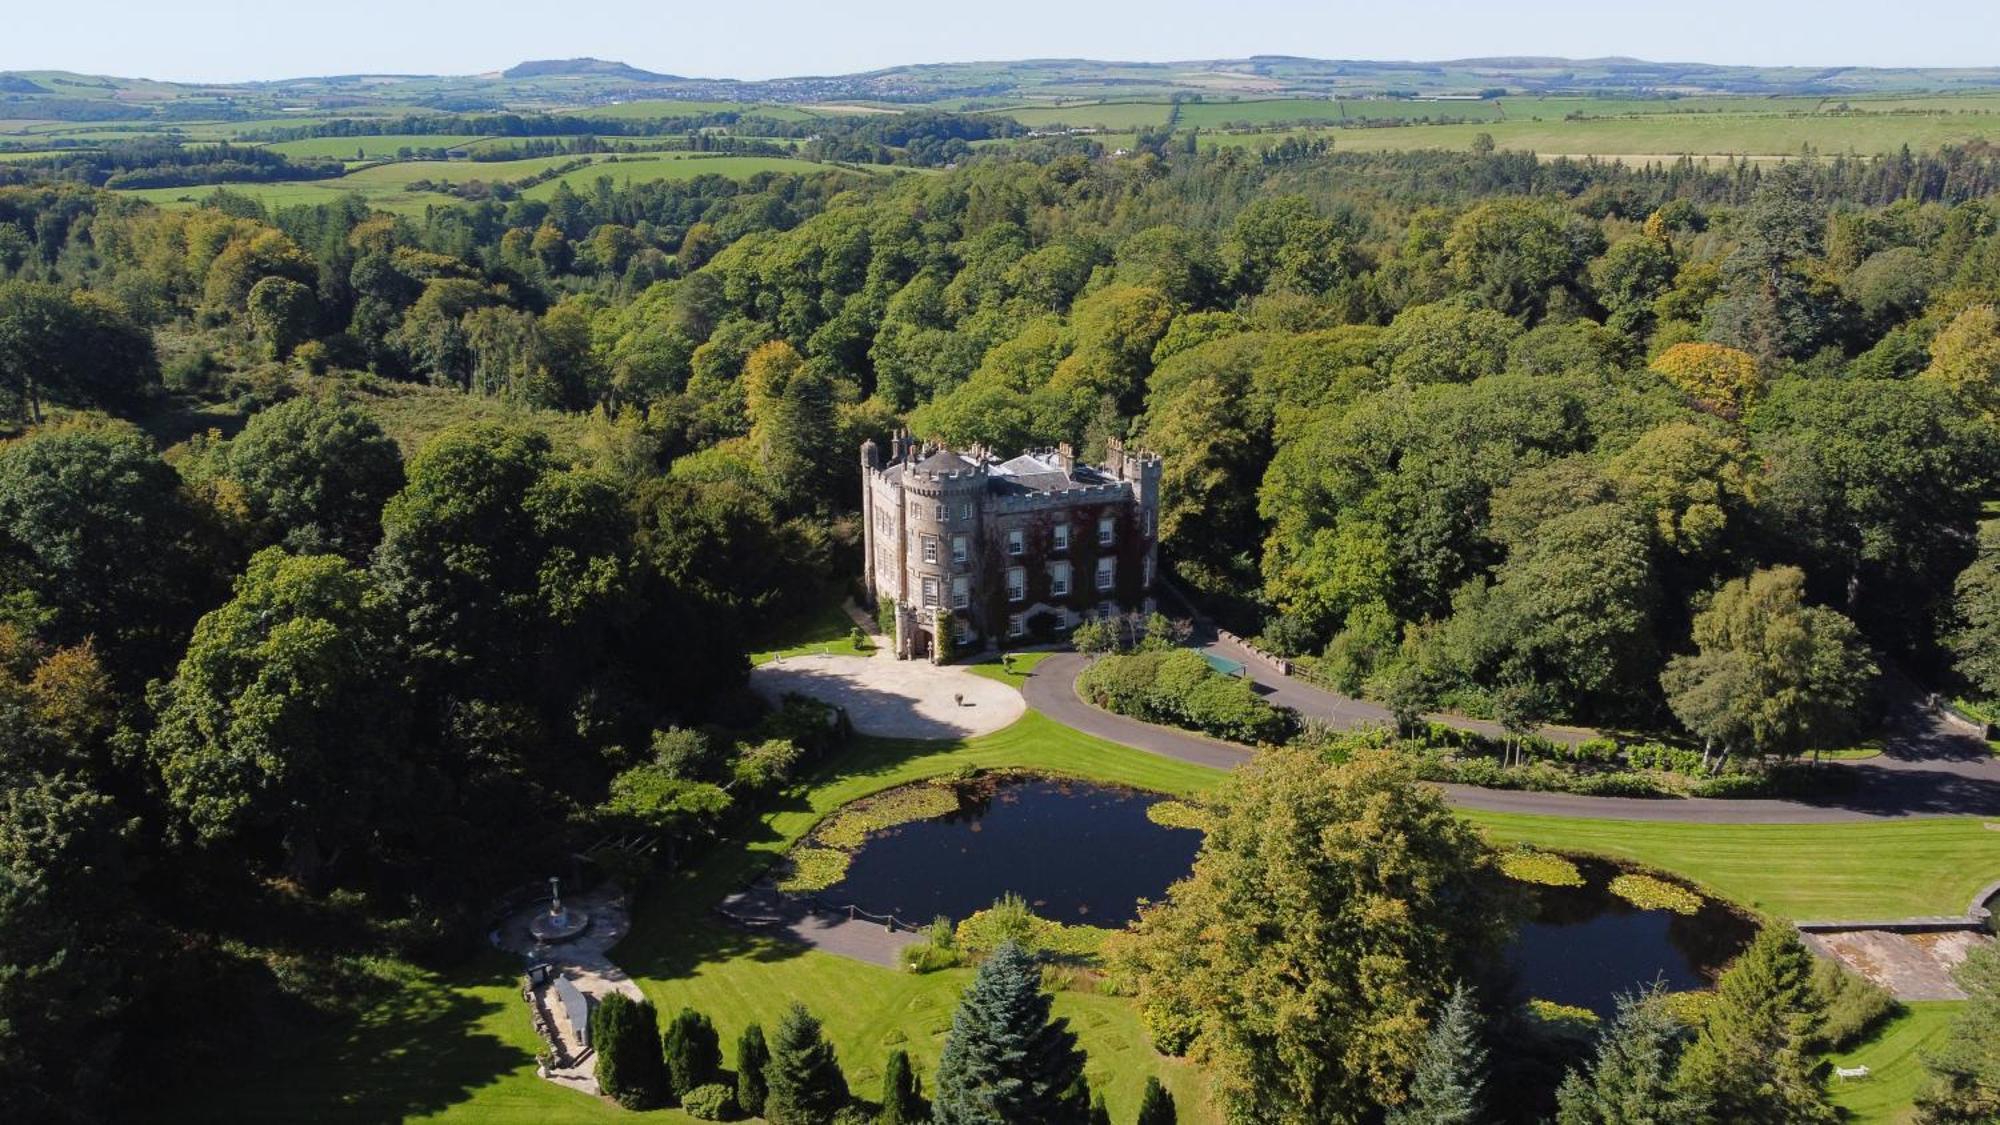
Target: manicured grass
x=1893 y=1056
x=827 y=629
x=1013 y=671
x=1855 y=870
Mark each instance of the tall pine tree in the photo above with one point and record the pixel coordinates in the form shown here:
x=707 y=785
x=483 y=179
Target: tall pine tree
x=902 y=1099
x=1156 y=1106
x=752 y=1056
x=1006 y=1061
x=625 y=1033
x=1752 y=1063
x=1631 y=1081
x=803 y=1078
x=1450 y=1084
x=693 y=1052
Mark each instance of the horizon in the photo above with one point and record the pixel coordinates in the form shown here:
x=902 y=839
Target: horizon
x=461 y=40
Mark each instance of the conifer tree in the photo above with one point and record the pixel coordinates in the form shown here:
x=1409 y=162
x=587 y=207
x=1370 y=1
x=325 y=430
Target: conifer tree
x=1156 y=1106
x=693 y=1052
x=625 y=1034
x=1450 y=1084
x=1006 y=1061
x=902 y=1098
x=752 y=1056
x=1631 y=1080
x=1752 y=1063
x=803 y=1082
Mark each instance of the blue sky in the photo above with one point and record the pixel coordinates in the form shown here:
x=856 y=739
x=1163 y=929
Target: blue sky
x=224 y=40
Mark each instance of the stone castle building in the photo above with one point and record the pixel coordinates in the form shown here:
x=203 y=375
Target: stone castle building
x=1016 y=550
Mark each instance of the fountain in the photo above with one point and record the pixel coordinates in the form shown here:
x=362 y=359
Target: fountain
x=558 y=924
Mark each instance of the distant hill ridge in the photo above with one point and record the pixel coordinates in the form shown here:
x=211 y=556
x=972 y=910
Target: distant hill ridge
x=584 y=68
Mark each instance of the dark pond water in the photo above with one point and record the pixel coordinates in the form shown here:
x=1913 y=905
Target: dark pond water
x=1086 y=853
x=1585 y=945
x=1076 y=852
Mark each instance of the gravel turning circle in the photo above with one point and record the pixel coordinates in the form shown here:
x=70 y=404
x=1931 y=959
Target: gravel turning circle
x=895 y=698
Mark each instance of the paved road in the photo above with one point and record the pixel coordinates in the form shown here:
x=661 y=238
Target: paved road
x=1929 y=769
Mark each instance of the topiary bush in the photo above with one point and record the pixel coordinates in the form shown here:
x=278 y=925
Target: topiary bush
x=712 y=1102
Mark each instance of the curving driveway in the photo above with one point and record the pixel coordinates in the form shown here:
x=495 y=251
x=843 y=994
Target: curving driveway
x=1928 y=769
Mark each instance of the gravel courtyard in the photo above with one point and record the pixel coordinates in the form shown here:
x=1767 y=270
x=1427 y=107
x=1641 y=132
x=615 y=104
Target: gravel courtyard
x=895 y=698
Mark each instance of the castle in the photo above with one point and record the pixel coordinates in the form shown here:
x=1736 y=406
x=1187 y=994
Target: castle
x=1016 y=550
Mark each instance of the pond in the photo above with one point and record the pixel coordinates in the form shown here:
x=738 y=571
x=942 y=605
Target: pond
x=1078 y=853
x=1584 y=946
x=1084 y=853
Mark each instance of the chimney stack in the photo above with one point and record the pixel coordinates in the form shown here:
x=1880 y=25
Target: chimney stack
x=1066 y=457
x=1114 y=457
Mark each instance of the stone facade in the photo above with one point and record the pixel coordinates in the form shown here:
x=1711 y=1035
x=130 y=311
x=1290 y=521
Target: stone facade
x=1018 y=550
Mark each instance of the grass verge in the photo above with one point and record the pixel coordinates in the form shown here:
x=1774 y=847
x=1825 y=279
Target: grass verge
x=1893 y=1056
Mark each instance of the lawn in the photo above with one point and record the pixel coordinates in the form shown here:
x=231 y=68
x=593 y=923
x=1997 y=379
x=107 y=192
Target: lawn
x=1893 y=1056
x=1858 y=869
x=1011 y=669
x=827 y=629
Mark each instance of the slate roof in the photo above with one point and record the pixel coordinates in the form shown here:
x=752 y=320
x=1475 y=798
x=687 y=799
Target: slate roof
x=943 y=461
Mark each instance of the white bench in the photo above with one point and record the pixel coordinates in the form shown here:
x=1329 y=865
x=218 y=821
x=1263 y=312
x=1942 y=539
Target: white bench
x=1850 y=1072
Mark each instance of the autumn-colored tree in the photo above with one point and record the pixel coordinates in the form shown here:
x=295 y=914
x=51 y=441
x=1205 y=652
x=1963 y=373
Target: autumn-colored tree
x=1330 y=912
x=1718 y=379
x=1965 y=359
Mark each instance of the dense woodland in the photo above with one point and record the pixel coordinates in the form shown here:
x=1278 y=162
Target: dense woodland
x=1532 y=440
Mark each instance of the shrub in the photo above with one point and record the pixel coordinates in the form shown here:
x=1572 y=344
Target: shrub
x=1659 y=756
x=710 y=1102
x=1009 y=919
x=1541 y=868
x=1595 y=750
x=1178 y=688
x=1649 y=893
x=1732 y=785
x=765 y=765
x=1855 y=1005
x=693 y=1052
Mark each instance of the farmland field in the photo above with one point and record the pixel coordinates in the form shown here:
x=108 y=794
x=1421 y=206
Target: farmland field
x=1108 y=115
x=384 y=185
x=651 y=110
x=370 y=148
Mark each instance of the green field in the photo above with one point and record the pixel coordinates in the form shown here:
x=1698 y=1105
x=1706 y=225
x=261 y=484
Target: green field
x=1092 y=115
x=1893 y=1056
x=371 y=148
x=278 y=195
x=656 y=109
x=384 y=185
x=1860 y=869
